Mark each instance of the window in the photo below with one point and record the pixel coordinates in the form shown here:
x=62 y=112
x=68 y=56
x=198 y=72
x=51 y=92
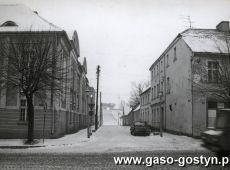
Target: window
x=175 y=56
x=148 y=115
x=168 y=85
x=152 y=75
x=162 y=85
x=158 y=90
x=78 y=103
x=212 y=71
x=211 y=118
x=161 y=66
x=157 y=70
x=167 y=60
x=154 y=72
x=152 y=94
x=155 y=92
x=23 y=110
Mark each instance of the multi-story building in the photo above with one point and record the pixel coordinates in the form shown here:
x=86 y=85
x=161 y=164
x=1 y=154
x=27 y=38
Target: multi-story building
x=145 y=114
x=65 y=112
x=175 y=100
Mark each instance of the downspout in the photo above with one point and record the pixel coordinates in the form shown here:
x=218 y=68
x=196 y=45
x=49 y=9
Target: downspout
x=191 y=60
x=52 y=130
x=165 y=92
x=55 y=44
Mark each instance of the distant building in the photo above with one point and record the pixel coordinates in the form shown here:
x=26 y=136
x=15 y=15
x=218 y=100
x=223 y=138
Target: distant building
x=174 y=97
x=108 y=106
x=145 y=114
x=132 y=116
x=67 y=112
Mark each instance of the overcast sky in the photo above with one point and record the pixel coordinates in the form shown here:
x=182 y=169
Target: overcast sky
x=125 y=37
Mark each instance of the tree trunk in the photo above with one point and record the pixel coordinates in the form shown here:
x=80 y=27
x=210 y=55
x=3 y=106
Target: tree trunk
x=30 y=113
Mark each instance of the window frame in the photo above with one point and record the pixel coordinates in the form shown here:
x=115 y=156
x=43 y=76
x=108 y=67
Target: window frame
x=23 y=116
x=212 y=69
x=174 y=54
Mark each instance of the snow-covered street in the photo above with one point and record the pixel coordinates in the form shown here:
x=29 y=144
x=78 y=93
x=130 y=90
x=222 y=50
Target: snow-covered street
x=109 y=118
x=111 y=138
x=108 y=138
x=97 y=152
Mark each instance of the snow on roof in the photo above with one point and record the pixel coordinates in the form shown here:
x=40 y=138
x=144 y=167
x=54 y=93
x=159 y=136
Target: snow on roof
x=206 y=40
x=137 y=108
x=70 y=34
x=126 y=110
x=24 y=18
x=145 y=90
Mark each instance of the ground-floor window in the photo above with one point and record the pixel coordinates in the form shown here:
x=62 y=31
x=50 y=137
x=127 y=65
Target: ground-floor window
x=23 y=110
x=211 y=118
x=212 y=112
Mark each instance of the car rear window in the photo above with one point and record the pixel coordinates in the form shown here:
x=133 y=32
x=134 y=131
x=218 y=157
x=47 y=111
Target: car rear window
x=139 y=123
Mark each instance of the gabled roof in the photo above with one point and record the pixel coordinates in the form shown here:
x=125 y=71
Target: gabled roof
x=206 y=40
x=201 y=41
x=24 y=18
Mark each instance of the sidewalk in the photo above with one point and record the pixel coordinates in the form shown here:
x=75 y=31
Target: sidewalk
x=67 y=140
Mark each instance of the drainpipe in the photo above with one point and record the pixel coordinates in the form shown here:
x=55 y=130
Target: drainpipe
x=52 y=130
x=191 y=60
x=165 y=92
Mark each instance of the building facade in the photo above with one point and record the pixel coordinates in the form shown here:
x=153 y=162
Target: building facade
x=145 y=114
x=175 y=99
x=57 y=114
x=133 y=115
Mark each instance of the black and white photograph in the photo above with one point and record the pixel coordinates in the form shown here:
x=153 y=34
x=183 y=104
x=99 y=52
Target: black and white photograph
x=114 y=84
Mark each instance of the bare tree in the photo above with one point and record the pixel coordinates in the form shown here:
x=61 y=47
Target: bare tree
x=212 y=78
x=137 y=89
x=32 y=65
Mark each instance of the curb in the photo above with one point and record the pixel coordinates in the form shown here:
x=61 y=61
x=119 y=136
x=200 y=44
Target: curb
x=20 y=147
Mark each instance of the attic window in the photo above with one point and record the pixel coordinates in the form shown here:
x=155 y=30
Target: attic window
x=9 y=24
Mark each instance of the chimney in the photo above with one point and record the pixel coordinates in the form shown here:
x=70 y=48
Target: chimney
x=223 y=26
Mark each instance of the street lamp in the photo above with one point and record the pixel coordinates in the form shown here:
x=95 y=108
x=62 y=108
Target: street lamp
x=91 y=105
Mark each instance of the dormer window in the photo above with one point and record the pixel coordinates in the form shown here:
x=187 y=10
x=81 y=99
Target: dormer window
x=9 y=24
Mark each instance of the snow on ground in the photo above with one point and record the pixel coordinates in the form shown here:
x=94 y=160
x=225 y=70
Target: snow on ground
x=108 y=118
x=111 y=139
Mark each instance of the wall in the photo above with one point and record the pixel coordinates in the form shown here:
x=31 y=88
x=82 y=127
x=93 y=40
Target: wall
x=12 y=127
x=63 y=123
x=144 y=112
x=200 y=100
x=179 y=99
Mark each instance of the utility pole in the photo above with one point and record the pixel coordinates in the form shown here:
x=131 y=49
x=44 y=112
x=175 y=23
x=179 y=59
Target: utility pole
x=101 y=116
x=96 y=115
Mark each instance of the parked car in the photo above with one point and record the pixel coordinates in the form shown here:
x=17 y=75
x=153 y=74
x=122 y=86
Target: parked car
x=140 y=128
x=218 y=139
